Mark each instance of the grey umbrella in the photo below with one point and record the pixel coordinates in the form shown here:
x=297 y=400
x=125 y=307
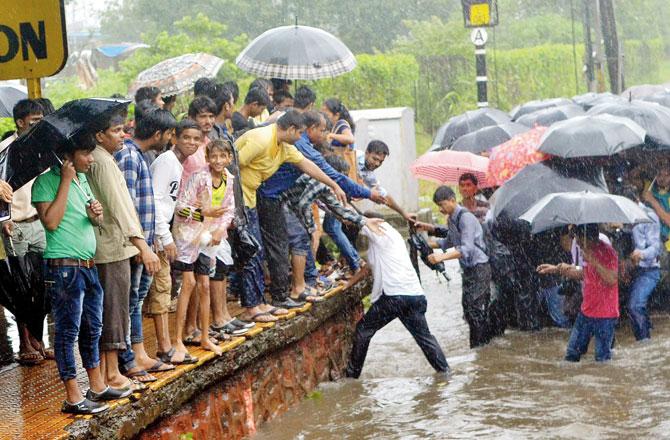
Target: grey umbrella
x=642 y=90
x=662 y=98
x=9 y=96
x=590 y=136
x=465 y=123
x=580 y=208
x=652 y=117
x=548 y=116
x=588 y=100
x=533 y=106
x=488 y=137
x=296 y=52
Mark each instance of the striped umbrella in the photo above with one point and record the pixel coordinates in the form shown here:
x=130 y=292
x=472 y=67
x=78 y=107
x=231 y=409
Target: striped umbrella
x=296 y=52
x=447 y=166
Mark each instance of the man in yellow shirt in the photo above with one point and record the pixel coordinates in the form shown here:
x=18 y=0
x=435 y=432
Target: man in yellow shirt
x=261 y=152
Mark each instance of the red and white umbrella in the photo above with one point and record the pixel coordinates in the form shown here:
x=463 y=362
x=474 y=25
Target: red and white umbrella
x=447 y=166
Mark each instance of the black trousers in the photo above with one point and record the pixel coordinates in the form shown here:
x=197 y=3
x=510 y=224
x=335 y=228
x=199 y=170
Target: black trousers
x=475 y=301
x=411 y=311
x=274 y=234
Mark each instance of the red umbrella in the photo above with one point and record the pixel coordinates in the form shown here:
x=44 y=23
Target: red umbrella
x=447 y=166
x=511 y=157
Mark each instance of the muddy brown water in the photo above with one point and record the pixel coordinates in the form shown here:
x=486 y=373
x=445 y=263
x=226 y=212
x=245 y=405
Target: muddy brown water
x=517 y=387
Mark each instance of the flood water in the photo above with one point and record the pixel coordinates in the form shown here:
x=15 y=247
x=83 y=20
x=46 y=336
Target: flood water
x=517 y=387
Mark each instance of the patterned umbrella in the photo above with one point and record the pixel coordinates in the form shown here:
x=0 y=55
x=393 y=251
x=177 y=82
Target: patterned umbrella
x=177 y=75
x=296 y=52
x=447 y=166
x=511 y=157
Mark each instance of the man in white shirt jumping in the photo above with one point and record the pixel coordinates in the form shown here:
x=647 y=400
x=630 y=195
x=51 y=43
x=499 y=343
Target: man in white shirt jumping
x=396 y=293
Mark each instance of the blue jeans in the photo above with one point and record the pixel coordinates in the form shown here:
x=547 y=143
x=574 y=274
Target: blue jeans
x=140 y=282
x=76 y=306
x=643 y=285
x=253 y=280
x=311 y=272
x=554 y=302
x=333 y=227
x=582 y=331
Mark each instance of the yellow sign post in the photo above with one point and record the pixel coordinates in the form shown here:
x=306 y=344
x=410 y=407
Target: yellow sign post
x=33 y=41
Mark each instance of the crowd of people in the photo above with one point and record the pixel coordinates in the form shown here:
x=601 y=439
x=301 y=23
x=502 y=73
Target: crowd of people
x=144 y=207
x=235 y=197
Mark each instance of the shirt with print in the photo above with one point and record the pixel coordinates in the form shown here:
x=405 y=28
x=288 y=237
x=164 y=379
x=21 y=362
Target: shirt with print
x=138 y=181
x=166 y=172
x=260 y=156
x=120 y=222
x=600 y=299
x=74 y=237
x=308 y=190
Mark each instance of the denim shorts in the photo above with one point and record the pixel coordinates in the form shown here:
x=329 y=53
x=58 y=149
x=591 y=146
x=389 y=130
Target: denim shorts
x=222 y=271
x=299 y=240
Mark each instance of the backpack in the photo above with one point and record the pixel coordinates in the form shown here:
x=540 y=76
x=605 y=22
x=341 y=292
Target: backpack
x=500 y=257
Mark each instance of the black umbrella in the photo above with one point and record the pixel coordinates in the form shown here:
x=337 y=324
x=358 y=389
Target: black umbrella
x=532 y=183
x=581 y=208
x=588 y=100
x=9 y=96
x=74 y=123
x=550 y=115
x=591 y=136
x=296 y=52
x=488 y=137
x=533 y=106
x=662 y=98
x=468 y=122
x=653 y=118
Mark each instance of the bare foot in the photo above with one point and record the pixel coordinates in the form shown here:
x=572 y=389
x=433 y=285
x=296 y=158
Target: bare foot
x=207 y=345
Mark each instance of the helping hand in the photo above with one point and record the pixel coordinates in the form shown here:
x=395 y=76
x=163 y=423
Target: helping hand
x=376 y=197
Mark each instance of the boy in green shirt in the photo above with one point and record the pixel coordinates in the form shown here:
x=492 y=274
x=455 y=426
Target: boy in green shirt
x=68 y=212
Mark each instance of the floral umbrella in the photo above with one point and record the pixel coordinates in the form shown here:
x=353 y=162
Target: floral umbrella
x=511 y=157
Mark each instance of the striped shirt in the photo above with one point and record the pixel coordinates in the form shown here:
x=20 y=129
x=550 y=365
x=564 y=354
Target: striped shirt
x=306 y=190
x=138 y=180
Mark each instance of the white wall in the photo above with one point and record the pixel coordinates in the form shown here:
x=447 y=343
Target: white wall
x=395 y=127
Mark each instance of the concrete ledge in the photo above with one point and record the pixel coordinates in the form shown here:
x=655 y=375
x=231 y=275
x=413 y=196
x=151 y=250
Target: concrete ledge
x=171 y=396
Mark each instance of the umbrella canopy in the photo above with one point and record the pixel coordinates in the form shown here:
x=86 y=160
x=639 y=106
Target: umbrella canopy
x=653 y=118
x=29 y=155
x=535 y=181
x=533 y=106
x=468 y=122
x=642 y=90
x=296 y=52
x=178 y=75
x=662 y=98
x=589 y=136
x=550 y=115
x=446 y=167
x=488 y=137
x=588 y=100
x=9 y=96
x=508 y=159
x=580 y=208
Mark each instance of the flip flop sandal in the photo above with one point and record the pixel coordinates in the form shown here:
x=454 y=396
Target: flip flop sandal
x=255 y=317
x=29 y=359
x=167 y=358
x=47 y=353
x=160 y=367
x=304 y=296
x=273 y=311
x=191 y=339
x=137 y=386
x=141 y=376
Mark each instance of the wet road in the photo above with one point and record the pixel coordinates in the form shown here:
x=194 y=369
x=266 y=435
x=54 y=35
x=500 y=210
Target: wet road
x=517 y=387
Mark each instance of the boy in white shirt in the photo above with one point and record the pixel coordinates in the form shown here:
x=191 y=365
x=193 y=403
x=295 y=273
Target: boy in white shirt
x=396 y=293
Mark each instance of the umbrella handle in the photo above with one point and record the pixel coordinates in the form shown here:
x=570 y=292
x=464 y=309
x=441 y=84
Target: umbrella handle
x=76 y=182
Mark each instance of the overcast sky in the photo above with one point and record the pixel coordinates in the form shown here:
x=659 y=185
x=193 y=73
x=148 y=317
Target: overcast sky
x=83 y=15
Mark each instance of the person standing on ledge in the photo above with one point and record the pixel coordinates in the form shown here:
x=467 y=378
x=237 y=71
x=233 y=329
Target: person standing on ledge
x=396 y=293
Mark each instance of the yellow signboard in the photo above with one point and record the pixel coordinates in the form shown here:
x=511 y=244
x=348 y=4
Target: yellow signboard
x=33 y=40
x=480 y=15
